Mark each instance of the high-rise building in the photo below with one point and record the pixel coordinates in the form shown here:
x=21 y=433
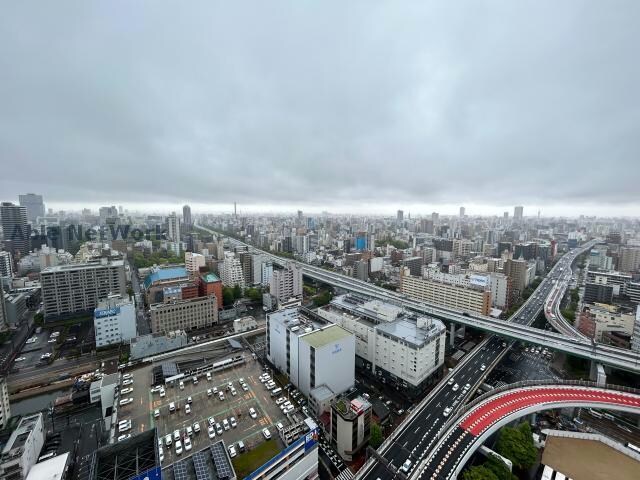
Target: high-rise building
x=287 y=283
x=13 y=219
x=518 y=213
x=462 y=211
x=5 y=409
x=193 y=262
x=6 y=264
x=34 y=205
x=516 y=270
x=173 y=227
x=22 y=450
x=629 y=259
x=350 y=425
x=231 y=271
x=77 y=288
x=400 y=217
x=186 y=217
x=435 y=218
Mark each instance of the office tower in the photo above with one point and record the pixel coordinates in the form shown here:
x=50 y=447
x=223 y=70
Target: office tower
x=629 y=259
x=400 y=217
x=435 y=218
x=186 y=217
x=462 y=210
x=34 y=205
x=286 y=284
x=516 y=270
x=6 y=264
x=114 y=320
x=77 y=288
x=15 y=229
x=173 y=227
x=518 y=213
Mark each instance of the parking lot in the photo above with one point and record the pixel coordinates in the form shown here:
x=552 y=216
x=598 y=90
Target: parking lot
x=248 y=430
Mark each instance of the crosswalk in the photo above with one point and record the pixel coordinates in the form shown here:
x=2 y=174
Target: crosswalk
x=346 y=474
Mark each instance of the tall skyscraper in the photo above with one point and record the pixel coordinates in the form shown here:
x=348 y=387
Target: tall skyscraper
x=186 y=217
x=518 y=213
x=400 y=217
x=15 y=229
x=34 y=205
x=462 y=210
x=173 y=227
x=435 y=218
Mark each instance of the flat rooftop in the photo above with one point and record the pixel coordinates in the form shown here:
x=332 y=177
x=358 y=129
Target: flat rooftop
x=330 y=334
x=83 y=266
x=162 y=274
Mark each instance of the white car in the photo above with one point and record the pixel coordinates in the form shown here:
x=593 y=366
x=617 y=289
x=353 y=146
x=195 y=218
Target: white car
x=127 y=382
x=161 y=454
x=127 y=376
x=189 y=431
x=124 y=391
x=125 y=427
x=233 y=392
x=196 y=427
x=451 y=381
x=187 y=409
x=178 y=447
x=233 y=422
x=124 y=437
x=209 y=392
x=167 y=440
x=189 y=400
x=232 y=451
x=126 y=401
x=211 y=431
x=156 y=413
x=181 y=385
x=466 y=387
x=187 y=444
x=20 y=359
x=447 y=411
x=281 y=400
x=406 y=466
x=211 y=421
x=483 y=367
x=253 y=413
x=225 y=424
x=176 y=435
x=289 y=409
x=266 y=433
x=219 y=429
x=245 y=387
x=162 y=392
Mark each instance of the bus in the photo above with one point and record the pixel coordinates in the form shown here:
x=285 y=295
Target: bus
x=276 y=391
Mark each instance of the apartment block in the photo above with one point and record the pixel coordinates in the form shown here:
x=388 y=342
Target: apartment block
x=77 y=288
x=187 y=314
x=286 y=284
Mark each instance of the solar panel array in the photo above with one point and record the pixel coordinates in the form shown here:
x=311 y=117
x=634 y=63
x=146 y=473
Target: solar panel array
x=200 y=464
x=180 y=470
x=221 y=461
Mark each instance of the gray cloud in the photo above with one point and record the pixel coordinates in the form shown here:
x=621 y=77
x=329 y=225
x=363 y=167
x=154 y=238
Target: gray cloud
x=333 y=103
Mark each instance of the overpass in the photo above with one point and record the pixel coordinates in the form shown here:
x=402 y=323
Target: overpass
x=514 y=330
x=454 y=444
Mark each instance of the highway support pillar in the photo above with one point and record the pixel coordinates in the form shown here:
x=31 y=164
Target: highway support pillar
x=597 y=374
x=452 y=335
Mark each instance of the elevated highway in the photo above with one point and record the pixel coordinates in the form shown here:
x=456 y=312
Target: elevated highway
x=466 y=430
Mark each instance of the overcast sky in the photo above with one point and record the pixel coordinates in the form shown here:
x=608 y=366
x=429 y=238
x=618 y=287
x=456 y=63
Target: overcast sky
x=336 y=105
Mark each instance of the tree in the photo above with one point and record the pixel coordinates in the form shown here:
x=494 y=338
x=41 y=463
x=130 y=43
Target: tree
x=227 y=296
x=237 y=292
x=516 y=444
x=253 y=294
x=499 y=469
x=375 y=440
x=322 y=298
x=479 y=473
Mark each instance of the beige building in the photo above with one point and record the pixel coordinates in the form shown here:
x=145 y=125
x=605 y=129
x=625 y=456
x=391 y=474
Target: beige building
x=193 y=262
x=77 y=288
x=629 y=259
x=516 y=270
x=470 y=299
x=188 y=314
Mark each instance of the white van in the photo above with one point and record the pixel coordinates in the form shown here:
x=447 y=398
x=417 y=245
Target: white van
x=172 y=407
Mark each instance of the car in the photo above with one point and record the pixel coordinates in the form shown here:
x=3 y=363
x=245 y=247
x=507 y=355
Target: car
x=187 y=444
x=189 y=400
x=219 y=429
x=209 y=376
x=167 y=440
x=156 y=413
x=196 y=427
x=289 y=409
x=253 y=413
x=221 y=395
x=189 y=431
x=195 y=380
x=451 y=381
x=281 y=400
x=187 y=409
x=162 y=392
x=214 y=390
x=211 y=432
x=233 y=392
x=245 y=387
x=209 y=392
x=176 y=434
x=124 y=437
x=20 y=359
x=241 y=380
x=172 y=407
x=266 y=433
x=124 y=427
x=126 y=401
x=233 y=422
x=211 y=421
x=178 y=447
x=483 y=367
x=225 y=424
x=279 y=426
x=232 y=451
x=127 y=376
x=406 y=466
x=127 y=382
x=230 y=384
x=124 y=391
x=181 y=385
x=466 y=387
x=455 y=387
x=447 y=411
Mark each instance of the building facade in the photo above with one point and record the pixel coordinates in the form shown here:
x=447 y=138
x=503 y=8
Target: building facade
x=77 y=288
x=15 y=229
x=34 y=205
x=5 y=408
x=187 y=314
x=114 y=320
x=350 y=425
x=286 y=284
x=23 y=448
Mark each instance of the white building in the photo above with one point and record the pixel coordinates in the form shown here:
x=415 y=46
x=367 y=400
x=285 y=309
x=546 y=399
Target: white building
x=244 y=324
x=231 y=272
x=635 y=336
x=5 y=409
x=104 y=391
x=350 y=425
x=404 y=349
x=287 y=283
x=500 y=290
x=114 y=320
x=313 y=356
x=173 y=227
x=23 y=448
x=193 y=262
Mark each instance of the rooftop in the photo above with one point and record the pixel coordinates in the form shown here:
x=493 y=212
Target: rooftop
x=84 y=266
x=52 y=469
x=210 y=278
x=162 y=274
x=330 y=334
